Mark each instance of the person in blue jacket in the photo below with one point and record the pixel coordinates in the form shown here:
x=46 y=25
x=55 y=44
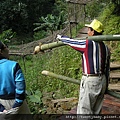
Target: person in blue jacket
x=12 y=84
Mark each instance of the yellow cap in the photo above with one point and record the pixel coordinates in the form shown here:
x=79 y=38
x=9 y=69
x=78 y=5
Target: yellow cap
x=96 y=25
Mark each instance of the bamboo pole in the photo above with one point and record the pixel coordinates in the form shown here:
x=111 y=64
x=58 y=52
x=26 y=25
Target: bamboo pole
x=64 y=78
x=114 y=94
x=59 y=43
x=51 y=45
x=102 y=38
x=72 y=80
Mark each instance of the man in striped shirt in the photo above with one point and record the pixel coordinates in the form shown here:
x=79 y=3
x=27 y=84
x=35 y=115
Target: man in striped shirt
x=94 y=60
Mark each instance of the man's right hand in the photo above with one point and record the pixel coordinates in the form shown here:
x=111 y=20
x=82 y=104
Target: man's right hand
x=58 y=37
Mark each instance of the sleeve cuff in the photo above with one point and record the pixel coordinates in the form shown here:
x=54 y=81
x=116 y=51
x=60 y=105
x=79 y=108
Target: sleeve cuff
x=2 y=108
x=16 y=104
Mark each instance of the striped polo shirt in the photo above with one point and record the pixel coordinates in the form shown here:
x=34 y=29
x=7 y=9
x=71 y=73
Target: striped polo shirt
x=94 y=54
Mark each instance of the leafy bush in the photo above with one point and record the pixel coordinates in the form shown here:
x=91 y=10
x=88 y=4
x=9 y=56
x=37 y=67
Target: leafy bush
x=7 y=35
x=111 y=26
x=64 y=61
x=111 y=21
x=39 y=35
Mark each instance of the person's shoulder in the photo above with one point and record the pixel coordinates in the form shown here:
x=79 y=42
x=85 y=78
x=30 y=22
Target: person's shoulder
x=12 y=61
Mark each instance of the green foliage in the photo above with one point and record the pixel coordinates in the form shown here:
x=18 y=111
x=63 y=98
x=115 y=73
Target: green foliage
x=117 y=7
x=75 y=30
x=107 y=12
x=39 y=35
x=116 y=53
x=60 y=6
x=111 y=22
x=94 y=8
x=20 y=15
x=36 y=97
x=57 y=62
x=7 y=35
x=112 y=25
x=35 y=102
x=67 y=62
x=51 y=22
x=64 y=61
x=12 y=14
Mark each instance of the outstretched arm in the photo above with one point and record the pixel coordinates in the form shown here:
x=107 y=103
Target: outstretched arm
x=78 y=45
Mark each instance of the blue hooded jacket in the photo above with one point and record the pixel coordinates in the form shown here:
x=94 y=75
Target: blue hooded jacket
x=12 y=82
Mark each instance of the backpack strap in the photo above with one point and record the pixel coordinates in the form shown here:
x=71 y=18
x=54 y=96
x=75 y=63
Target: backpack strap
x=107 y=67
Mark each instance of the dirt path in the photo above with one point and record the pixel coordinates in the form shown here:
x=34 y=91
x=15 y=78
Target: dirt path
x=83 y=32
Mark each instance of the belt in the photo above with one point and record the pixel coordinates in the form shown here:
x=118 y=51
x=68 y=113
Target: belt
x=7 y=97
x=100 y=74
